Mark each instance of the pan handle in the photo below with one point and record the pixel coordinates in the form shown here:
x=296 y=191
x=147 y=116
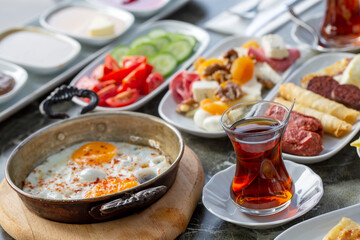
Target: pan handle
x=66 y=93
x=128 y=203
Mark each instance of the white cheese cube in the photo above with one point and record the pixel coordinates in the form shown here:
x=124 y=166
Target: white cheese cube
x=274 y=46
x=204 y=89
x=101 y=27
x=265 y=72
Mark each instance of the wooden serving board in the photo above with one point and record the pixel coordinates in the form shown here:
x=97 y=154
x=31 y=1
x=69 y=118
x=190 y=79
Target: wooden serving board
x=165 y=219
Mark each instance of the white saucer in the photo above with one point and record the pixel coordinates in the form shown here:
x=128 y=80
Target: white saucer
x=303 y=37
x=308 y=192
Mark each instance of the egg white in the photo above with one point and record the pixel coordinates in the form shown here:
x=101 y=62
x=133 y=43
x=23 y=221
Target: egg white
x=59 y=177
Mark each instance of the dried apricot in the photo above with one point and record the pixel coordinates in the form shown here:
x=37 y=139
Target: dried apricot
x=198 y=62
x=214 y=108
x=242 y=70
x=252 y=43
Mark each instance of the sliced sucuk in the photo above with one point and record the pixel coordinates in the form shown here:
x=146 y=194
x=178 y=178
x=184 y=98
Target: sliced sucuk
x=347 y=94
x=301 y=142
x=297 y=120
x=322 y=85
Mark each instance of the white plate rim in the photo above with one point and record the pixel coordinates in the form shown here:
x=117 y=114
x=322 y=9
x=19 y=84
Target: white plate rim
x=19 y=82
x=159 y=24
x=40 y=69
x=284 y=233
x=140 y=13
x=268 y=224
x=123 y=15
x=210 y=53
x=295 y=28
x=342 y=142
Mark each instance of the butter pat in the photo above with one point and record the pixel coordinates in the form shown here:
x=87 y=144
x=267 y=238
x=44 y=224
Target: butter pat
x=204 y=89
x=274 y=46
x=351 y=74
x=101 y=27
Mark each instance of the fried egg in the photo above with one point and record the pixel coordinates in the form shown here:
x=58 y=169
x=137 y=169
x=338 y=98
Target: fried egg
x=95 y=169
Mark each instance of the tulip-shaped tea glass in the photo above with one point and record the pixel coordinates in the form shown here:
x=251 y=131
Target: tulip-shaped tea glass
x=261 y=185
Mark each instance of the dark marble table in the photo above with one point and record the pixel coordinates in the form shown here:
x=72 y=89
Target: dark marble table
x=340 y=174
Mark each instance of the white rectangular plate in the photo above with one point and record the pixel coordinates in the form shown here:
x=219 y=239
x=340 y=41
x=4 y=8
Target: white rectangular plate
x=168 y=25
x=332 y=145
x=316 y=228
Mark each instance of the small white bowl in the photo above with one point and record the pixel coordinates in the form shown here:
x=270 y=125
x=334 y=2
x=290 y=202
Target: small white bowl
x=122 y=15
x=42 y=67
x=18 y=73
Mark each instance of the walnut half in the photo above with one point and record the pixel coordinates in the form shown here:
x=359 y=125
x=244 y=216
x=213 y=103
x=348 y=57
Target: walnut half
x=230 y=92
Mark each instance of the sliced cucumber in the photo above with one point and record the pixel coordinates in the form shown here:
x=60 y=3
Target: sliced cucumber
x=181 y=49
x=177 y=36
x=139 y=40
x=157 y=33
x=119 y=52
x=164 y=63
x=160 y=42
x=144 y=49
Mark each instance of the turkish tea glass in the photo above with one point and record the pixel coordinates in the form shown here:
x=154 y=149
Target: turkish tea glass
x=341 y=23
x=261 y=185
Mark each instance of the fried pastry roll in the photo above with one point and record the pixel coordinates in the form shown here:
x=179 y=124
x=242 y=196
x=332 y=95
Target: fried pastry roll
x=330 y=124
x=309 y=99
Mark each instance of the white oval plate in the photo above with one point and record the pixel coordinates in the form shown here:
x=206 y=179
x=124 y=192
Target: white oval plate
x=308 y=192
x=168 y=25
x=168 y=105
x=136 y=10
x=39 y=67
x=316 y=228
x=332 y=145
x=18 y=73
x=124 y=16
x=303 y=37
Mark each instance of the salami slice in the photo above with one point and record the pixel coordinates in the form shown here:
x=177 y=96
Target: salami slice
x=322 y=85
x=347 y=94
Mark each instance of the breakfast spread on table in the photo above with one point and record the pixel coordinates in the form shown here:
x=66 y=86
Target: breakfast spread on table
x=346 y=229
x=239 y=75
x=94 y=169
x=130 y=72
x=324 y=109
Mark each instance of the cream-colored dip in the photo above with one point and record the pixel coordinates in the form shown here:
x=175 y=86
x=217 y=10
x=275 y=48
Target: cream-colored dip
x=31 y=48
x=77 y=20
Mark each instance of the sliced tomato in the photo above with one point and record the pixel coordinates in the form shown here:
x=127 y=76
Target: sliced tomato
x=149 y=69
x=136 y=78
x=101 y=85
x=124 y=98
x=105 y=93
x=98 y=72
x=152 y=82
x=86 y=83
x=128 y=61
x=110 y=63
x=180 y=86
x=119 y=74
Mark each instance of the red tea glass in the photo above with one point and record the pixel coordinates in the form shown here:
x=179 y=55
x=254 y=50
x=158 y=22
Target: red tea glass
x=341 y=22
x=261 y=185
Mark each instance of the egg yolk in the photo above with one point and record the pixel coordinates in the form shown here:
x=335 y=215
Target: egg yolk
x=94 y=153
x=110 y=185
